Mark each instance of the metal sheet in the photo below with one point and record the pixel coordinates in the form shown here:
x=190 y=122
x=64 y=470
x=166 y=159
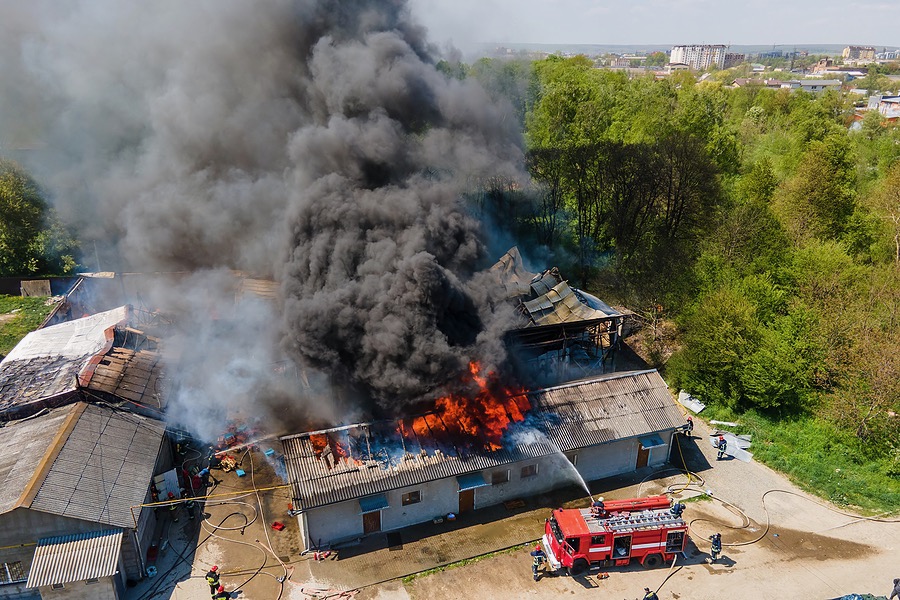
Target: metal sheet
x=76 y=557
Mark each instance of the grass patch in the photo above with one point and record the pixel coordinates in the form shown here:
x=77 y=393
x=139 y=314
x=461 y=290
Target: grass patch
x=819 y=458
x=698 y=498
x=464 y=562
x=28 y=314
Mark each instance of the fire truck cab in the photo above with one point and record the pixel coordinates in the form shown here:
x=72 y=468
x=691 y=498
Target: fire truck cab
x=639 y=528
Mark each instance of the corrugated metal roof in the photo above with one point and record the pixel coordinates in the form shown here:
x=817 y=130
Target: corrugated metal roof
x=23 y=445
x=76 y=557
x=367 y=459
x=102 y=468
x=134 y=375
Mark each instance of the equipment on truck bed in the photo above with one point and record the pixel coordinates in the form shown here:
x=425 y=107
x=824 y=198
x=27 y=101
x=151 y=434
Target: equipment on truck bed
x=647 y=529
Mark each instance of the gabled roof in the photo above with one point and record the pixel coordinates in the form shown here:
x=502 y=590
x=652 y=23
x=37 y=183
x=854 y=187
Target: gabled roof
x=76 y=557
x=373 y=458
x=81 y=461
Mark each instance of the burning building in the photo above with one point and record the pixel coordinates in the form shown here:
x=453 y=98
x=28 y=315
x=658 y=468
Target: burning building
x=359 y=479
x=561 y=331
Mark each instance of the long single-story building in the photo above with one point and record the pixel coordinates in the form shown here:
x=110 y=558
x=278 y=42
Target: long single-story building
x=364 y=478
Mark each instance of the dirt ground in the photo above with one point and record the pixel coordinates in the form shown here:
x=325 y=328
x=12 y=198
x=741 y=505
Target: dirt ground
x=809 y=549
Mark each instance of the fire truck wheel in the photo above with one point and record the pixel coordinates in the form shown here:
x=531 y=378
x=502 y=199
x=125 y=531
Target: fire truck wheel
x=578 y=567
x=652 y=561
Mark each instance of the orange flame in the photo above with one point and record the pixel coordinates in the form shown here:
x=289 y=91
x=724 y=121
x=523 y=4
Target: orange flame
x=485 y=416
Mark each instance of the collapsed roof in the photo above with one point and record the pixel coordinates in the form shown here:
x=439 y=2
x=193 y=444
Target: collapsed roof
x=95 y=355
x=546 y=298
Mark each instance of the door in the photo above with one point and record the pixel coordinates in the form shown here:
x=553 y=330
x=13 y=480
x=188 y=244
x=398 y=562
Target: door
x=622 y=547
x=372 y=522
x=643 y=456
x=466 y=500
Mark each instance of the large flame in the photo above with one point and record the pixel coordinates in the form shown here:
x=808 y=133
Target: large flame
x=485 y=416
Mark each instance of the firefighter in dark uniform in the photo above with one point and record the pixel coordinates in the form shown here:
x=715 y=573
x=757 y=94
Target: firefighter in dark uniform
x=715 y=548
x=650 y=595
x=722 y=445
x=538 y=558
x=189 y=504
x=689 y=427
x=221 y=594
x=212 y=578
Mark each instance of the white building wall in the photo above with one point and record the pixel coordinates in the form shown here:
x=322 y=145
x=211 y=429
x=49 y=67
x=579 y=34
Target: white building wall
x=343 y=521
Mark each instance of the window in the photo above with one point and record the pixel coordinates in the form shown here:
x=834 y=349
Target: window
x=597 y=540
x=411 y=498
x=499 y=477
x=90 y=581
x=529 y=471
x=12 y=572
x=57 y=586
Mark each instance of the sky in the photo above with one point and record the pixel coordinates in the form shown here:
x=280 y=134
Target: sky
x=468 y=23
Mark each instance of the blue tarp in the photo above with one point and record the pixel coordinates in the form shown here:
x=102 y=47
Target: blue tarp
x=471 y=481
x=373 y=503
x=651 y=441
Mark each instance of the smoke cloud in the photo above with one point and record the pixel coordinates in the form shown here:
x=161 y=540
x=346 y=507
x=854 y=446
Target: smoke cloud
x=310 y=141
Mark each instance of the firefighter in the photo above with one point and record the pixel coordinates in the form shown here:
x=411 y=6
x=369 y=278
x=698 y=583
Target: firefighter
x=715 y=548
x=212 y=578
x=598 y=509
x=189 y=504
x=173 y=507
x=677 y=509
x=649 y=594
x=538 y=559
x=154 y=496
x=689 y=427
x=722 y=445
x=896 y=591
x=221 y=594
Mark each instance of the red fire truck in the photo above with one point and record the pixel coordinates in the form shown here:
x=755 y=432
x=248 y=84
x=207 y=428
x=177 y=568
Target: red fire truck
x=647 y=529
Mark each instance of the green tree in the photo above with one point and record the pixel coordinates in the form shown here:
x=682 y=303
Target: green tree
x=656 y=59
x=32 y=241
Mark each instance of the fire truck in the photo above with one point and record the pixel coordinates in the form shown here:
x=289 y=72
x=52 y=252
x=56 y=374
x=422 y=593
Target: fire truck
x=647 y=529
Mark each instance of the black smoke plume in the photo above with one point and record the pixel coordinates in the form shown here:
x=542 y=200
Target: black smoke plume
x=310 y=141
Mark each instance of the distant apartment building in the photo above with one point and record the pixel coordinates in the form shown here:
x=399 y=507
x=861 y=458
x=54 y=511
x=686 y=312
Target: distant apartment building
x=859 y=53
x=888 y=55
x=699 y=57
x=733 y=59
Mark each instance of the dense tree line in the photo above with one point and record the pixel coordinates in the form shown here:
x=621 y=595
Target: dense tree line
x=762 y=225
x=32 y=239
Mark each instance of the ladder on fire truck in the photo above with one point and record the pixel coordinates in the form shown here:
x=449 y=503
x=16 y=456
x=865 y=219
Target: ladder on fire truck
x=642 y=520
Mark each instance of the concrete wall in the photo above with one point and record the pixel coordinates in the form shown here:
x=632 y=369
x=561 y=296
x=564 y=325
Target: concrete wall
x=21 y=529
x=342 y=521
x=103 y=589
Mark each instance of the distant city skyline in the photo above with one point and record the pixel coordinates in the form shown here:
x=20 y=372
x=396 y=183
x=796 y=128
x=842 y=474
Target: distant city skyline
x=469 y=24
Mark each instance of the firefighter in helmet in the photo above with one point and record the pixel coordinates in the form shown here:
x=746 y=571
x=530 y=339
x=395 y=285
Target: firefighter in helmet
x=689 y=427
x=650 y=594
x=598 y=509
x=221 y=594
x=715 y=548
x=538 y=559
x=212 y=578
x=722 y=445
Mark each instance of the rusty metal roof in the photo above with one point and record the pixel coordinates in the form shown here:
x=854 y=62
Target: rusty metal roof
x=76 y=557
x=371 y=458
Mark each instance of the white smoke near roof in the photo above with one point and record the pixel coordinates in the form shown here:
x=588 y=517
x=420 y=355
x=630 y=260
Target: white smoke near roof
x=312 y=141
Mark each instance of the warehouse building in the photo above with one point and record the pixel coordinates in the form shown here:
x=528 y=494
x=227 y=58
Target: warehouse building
x=360 y=479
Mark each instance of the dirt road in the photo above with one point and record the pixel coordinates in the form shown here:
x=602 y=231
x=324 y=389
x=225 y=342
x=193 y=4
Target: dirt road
x=809 y=551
